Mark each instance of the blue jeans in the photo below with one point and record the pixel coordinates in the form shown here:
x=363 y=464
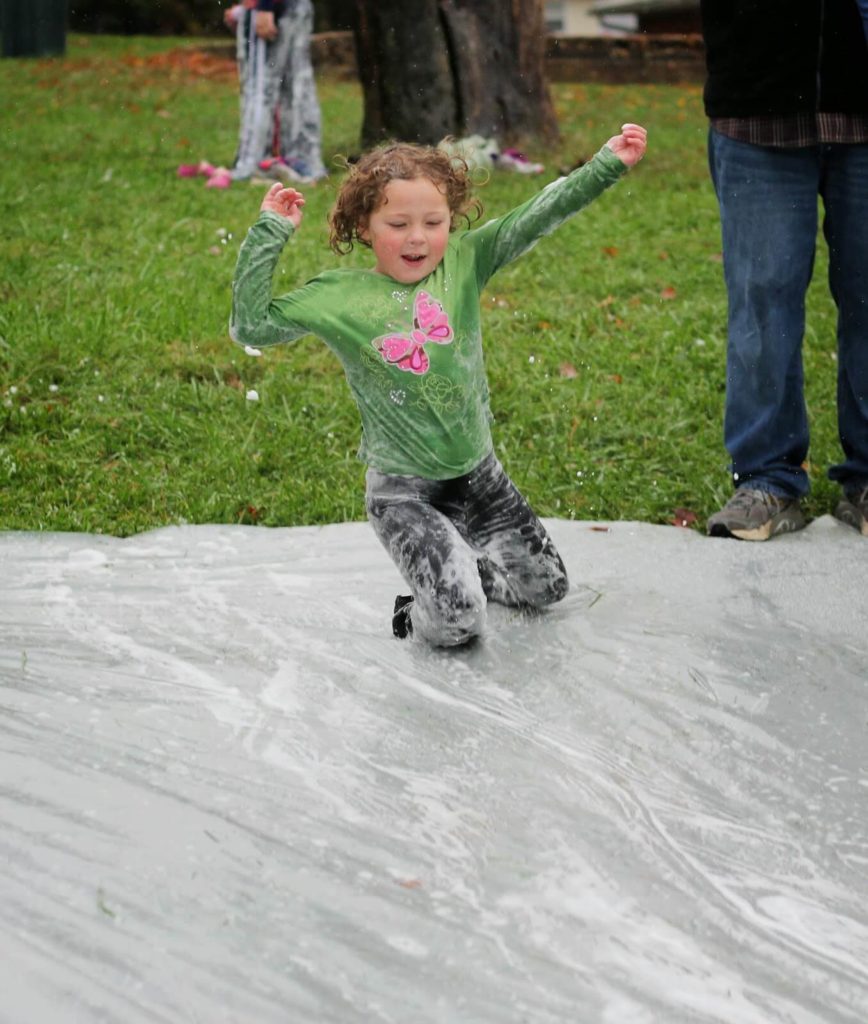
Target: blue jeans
x=768 y=213
x=863 y=10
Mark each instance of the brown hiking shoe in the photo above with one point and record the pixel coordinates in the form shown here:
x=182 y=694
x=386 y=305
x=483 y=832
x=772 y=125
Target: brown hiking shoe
x=853 y=510
x=756 y=515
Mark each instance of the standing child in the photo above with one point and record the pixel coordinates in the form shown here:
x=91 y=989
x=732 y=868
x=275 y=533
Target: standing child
x=280 y=115
x=408 y=335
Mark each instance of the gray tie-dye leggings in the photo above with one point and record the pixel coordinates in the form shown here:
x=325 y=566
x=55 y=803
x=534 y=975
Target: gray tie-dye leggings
x=278 y=87
x=459 y=542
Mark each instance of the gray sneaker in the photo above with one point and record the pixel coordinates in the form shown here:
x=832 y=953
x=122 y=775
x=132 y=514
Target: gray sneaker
x=853 y=510
x=756 y=515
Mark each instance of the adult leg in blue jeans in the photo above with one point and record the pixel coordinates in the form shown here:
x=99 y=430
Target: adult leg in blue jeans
x=845 y=193
x=863 y=10
x=844 y=188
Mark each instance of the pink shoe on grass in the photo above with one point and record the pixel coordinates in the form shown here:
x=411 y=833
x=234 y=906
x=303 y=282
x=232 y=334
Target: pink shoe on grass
x=202 y=169
x=221 y=178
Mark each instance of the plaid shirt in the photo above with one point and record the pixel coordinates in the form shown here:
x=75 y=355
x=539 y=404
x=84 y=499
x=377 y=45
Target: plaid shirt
x=794 y=130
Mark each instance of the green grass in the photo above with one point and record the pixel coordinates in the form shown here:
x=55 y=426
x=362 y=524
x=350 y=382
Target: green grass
x=122 y=400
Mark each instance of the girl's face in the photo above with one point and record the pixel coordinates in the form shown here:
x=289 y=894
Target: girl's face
x=409 y=230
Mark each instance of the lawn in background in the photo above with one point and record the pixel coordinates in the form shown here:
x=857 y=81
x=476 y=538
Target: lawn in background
x=123 y=404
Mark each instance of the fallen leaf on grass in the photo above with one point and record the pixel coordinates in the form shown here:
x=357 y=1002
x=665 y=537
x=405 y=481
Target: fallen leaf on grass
x=684 y=517
x=568 y=370
x=573 y=427
x=185 y=62
x=610 y=250
x=668 y=293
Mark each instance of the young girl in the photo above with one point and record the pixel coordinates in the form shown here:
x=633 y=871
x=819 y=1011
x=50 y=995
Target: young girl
x=408 y=335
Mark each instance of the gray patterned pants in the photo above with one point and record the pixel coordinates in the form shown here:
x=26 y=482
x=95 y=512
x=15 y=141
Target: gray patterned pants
x=461 y=542
x=278 y=93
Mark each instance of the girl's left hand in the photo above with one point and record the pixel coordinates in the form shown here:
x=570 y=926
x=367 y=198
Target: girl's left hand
x=285 y=201
x=629 y=146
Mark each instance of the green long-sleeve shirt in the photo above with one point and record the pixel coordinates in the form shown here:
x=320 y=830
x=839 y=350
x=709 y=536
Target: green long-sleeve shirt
x=412 y=354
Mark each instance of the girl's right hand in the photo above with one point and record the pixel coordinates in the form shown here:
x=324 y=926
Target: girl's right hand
x=630 y=145
x=284 y=201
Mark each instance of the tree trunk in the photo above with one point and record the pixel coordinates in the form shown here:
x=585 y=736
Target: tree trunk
x=431 y=68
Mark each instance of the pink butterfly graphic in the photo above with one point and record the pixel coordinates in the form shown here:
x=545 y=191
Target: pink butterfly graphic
x=430 y=323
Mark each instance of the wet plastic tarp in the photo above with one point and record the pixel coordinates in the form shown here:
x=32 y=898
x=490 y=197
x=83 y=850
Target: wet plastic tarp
x=228 y=794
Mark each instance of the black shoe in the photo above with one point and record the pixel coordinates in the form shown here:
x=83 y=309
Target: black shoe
x=402 y=624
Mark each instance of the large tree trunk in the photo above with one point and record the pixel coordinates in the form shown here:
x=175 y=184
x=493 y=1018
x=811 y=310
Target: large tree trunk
x=431 y=68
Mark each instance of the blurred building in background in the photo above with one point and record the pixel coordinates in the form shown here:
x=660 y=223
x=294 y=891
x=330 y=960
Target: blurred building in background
x=577 y=18
x=675 y=17
x=620 y=17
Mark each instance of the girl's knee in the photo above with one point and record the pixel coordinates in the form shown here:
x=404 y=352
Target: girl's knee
x=459 y=631
x=534 y=585
x=552 y=581
x=455 y=616
x=559 y=587
x=547 y=588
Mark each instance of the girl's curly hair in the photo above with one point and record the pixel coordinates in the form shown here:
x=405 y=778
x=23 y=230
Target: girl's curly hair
x=362 y=190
